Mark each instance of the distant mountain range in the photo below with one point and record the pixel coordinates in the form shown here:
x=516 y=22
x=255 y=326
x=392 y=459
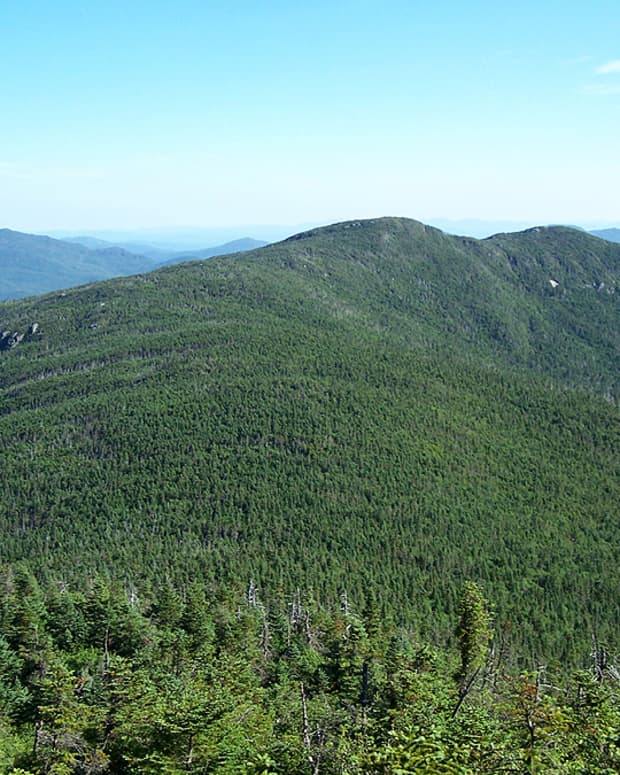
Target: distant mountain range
x=31 y=264
x=163 y=257
x=611 y=235
x=186 y=238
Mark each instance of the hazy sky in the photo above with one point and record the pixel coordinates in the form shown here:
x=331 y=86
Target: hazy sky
x=142 y=114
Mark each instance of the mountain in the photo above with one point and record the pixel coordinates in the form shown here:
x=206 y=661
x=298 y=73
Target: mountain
x=374 y=406
x=93 y=243
x=154 y=252
x=163 y=257
x=612 y=235
x=236 y=246
x=32 y=264
x=184 y=239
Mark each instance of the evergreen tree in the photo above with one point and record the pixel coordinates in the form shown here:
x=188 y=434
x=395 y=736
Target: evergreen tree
x=474 y=634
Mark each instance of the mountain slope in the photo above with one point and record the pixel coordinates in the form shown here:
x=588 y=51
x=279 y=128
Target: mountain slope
x=31 y=264
x=374 y=406
x=545 y=299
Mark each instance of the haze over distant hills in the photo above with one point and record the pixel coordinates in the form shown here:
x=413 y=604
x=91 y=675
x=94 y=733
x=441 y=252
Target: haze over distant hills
x=612 y=235
x=162 y=256
x=186 y=238
x=32 y=264
x=235 y=246
x=374 y=406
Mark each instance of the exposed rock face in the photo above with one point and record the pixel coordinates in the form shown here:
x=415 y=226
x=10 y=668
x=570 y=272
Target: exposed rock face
x=9 y=340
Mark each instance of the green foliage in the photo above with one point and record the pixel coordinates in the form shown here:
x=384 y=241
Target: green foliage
x=13 y=694
x=374 y=406
x=318 y=695
x=474 y=633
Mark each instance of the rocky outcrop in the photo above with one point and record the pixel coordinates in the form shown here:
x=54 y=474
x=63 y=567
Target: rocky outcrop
x=10 y=339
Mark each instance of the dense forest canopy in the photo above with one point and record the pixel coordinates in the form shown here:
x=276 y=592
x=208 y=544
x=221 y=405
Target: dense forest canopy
x=97 y=681
x=372 y=405
x=374 y=409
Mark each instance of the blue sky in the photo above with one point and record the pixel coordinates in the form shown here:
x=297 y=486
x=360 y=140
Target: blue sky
x=154 y=114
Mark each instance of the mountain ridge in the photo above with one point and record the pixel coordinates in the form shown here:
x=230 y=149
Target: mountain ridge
x=234 y=246
x=164 y=256
x=32 y=264
x=373 y=407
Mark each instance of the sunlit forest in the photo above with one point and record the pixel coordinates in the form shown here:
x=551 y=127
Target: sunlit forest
x=343 y=504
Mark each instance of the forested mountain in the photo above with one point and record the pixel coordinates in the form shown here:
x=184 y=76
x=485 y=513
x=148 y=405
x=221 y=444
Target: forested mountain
x=31 y=264
x=249 y=505
x=373 y=406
